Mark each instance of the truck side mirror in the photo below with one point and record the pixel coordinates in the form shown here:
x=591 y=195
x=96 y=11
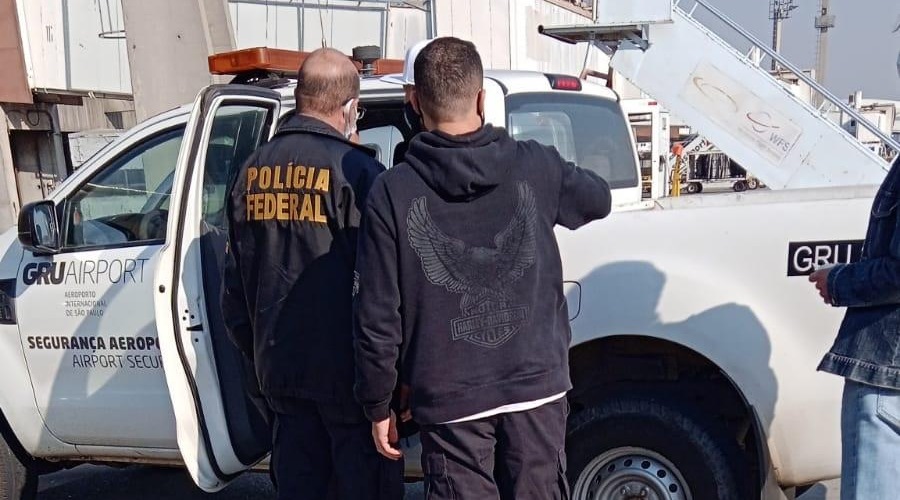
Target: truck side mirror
x=39 y=227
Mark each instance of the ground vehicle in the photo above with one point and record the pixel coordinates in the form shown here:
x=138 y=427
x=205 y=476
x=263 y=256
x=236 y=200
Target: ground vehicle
x=702 y=164
x=650 y=126
x=110 y=328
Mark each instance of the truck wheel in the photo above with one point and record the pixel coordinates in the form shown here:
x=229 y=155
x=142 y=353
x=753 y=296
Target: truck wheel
x=642 y=446
x=18 y=478
x=752 y=184
x=739 y=186
x=693 y=188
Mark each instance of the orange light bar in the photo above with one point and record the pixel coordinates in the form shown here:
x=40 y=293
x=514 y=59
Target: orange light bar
x=388 y=66
x=284 y=62
x=258 y=58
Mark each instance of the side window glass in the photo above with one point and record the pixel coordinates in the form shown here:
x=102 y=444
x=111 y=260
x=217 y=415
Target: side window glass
x=128 y=200
x=552 y=128
x=383 y=140
x=586 y=130
x=237 y=131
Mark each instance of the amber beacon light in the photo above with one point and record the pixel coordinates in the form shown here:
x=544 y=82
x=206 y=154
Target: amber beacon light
x=287 y=62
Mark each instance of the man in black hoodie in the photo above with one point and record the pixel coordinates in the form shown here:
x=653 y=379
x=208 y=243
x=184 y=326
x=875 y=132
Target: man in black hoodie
x=293 y=212
x=460 y=281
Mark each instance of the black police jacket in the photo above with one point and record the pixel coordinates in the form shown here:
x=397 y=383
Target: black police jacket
x=294 y=211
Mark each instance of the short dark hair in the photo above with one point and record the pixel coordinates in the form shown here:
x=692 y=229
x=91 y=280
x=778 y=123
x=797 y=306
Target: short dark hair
x=449 y=75
x=322 y=85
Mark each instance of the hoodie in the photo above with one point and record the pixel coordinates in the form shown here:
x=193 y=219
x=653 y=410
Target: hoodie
x=459 y=275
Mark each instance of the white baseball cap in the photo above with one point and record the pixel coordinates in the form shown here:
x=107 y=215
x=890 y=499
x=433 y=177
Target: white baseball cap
x=408 y=77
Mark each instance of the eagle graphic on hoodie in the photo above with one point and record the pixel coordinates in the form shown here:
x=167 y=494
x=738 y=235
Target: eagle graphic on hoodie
x=482 y=275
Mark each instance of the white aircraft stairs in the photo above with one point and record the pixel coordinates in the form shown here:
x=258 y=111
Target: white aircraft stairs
x=662 y=48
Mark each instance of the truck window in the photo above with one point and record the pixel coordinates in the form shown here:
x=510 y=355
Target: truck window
x=383 y=129
x=236 y=132
x=587 y=130
x=112 y=207
x=383 y=140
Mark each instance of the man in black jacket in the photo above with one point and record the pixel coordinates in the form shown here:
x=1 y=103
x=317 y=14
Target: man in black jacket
x=294 y=210
x=460 y=280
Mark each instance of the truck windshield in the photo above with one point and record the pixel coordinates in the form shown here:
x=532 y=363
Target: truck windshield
x=586 y=130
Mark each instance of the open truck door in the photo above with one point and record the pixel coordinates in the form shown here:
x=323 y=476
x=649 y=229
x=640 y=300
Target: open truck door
x=220 y=432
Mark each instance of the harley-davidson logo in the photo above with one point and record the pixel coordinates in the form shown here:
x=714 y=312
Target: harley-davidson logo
x=490 y=324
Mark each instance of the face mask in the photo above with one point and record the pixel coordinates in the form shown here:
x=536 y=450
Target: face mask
x=413 y=119
x=349 y=119
x=480 y=108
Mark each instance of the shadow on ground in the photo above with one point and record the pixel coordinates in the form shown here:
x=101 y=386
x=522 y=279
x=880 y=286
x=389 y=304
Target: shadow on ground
x=143 y=483
x=146 y=483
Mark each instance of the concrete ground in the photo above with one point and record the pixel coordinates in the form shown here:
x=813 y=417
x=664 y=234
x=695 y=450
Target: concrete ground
x=146 y=483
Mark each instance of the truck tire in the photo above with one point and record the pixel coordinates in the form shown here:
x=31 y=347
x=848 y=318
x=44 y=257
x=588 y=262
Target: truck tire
x=739 y=186
x=644 y=446
x=752 y=184
x=694 y=188
x=18 y=477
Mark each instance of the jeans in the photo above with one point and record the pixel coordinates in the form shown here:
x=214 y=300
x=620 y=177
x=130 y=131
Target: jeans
x=870 y=434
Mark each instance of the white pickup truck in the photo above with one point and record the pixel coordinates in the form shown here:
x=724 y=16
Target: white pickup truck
x=695 y=335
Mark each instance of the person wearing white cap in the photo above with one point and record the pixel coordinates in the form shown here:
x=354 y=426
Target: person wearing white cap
x=867 y=349
x=408 y=80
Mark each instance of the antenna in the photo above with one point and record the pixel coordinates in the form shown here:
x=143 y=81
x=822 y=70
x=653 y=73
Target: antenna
x=779 y=10
x=824 y=22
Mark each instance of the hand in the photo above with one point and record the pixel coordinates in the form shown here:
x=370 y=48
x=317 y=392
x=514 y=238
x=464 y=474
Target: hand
x=820 y=279
x=385 y=435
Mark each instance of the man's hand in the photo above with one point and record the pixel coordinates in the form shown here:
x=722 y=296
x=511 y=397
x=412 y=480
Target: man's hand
x=405 y=411
x=820 y=279
x=386 y=438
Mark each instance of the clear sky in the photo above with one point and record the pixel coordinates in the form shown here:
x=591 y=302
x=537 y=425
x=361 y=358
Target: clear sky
x=862 y=48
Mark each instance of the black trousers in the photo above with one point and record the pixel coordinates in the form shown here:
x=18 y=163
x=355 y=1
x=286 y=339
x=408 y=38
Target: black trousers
x=512 y=456
x=319 y=452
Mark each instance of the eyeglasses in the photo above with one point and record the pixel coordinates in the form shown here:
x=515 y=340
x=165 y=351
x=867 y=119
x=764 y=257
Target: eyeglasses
x=360 y=111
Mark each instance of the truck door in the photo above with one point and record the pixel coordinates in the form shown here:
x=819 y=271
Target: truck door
x=84 y=313
x=220 y=431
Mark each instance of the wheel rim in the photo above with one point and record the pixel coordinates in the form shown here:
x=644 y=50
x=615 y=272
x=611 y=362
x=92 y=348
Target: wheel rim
x=630 y=474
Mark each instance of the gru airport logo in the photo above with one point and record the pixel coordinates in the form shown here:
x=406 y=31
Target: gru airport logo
x=806 y=256
x=101 y=271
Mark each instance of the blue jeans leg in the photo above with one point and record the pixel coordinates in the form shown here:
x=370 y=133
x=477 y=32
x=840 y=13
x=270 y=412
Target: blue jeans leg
x=870 y=435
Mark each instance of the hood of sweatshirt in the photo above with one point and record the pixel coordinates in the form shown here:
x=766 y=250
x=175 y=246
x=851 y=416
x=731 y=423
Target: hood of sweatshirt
x=462 y=166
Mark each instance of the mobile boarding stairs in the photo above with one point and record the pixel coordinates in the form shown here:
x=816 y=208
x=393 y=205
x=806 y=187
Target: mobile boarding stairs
x=663 y=49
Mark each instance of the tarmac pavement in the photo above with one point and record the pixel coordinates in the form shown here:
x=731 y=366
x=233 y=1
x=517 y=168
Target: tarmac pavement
x=152 y=483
